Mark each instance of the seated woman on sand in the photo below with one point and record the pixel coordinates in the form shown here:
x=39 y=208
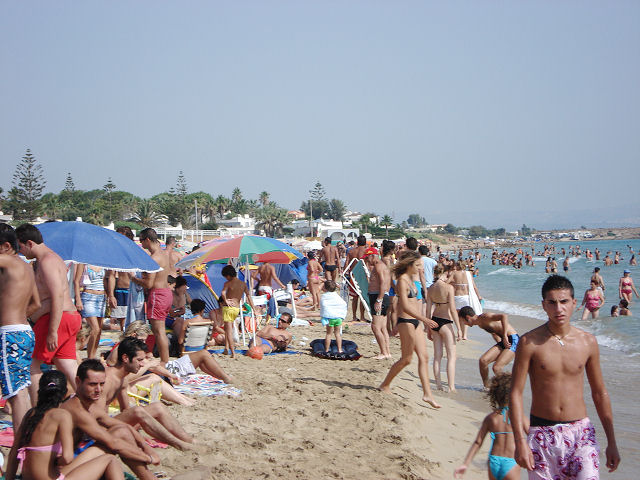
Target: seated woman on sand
x=43 y=448
x=410 y=325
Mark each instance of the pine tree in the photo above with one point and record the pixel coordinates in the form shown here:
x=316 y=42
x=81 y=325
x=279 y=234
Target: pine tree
x=109 y=187
x=69 y=186
x=28 y=185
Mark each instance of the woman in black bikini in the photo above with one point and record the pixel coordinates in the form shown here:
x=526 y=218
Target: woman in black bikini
x=441 y=295
x=410 y=326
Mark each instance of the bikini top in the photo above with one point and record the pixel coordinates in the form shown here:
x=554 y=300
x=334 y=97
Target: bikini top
x=506 y=420
x=55 y=448
x=413 y=292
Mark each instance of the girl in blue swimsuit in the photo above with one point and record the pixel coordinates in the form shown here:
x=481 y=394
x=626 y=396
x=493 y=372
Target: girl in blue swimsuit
x=501 y=464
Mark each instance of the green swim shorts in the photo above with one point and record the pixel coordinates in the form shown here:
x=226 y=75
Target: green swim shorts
x=331 y=322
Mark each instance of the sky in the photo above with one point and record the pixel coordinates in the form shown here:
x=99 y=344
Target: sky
x=480 y=112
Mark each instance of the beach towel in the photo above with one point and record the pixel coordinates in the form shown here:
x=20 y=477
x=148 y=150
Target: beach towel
x=349 y=350
x=205 y=386
x=6 y=433
x=244 y=352
x=474 y=301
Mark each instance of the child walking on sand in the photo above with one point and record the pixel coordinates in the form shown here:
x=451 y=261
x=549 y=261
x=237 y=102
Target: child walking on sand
x=502 y=465
x=333 y=309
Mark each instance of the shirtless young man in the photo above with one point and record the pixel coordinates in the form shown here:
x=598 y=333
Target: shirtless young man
x=231 y=299
x=94 y=428
x=497 y=324
x=266 y=277
x=160 y=295
x=561 y=440
x=153 y=418
x=598 y=278
x=356 y=253
x=379 y=284
x=18 y=299
x=331 y=258
x=57 y=321
x=274 y=339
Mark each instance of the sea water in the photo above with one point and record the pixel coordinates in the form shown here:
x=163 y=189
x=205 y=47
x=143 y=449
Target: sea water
x=518 y=292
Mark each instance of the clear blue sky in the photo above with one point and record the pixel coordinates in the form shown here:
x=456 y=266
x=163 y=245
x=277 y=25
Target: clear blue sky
x=478 y=112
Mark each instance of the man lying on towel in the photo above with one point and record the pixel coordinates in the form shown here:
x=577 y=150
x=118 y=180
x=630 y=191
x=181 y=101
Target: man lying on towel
x=274 y=339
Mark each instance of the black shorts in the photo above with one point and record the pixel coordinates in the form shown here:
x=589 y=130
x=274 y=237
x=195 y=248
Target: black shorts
x=385 y=303
x=330 y=268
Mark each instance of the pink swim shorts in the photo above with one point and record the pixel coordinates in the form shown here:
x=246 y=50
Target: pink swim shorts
x=565 y=451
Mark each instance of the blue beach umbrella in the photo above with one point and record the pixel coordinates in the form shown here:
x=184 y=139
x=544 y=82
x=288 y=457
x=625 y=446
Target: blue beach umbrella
x=80 y=242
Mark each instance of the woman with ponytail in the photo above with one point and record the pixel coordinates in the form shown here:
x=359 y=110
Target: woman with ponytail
x=45 y=437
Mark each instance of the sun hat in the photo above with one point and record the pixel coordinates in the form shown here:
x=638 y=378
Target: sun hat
x=371 y=251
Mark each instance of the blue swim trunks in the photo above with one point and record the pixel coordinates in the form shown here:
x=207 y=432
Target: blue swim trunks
x=514 y=339
x=17 y=342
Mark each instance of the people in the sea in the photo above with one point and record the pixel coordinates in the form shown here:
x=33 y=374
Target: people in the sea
x=19 y=298
x=333 y=310
x=592 y=301
x=411 y=323
x=555 y=356
x=626 y=286
x=43 y=447
x=501 y=464
x=233 y=291
x=624 y=308
x=56 y=321
x=614 y=311
x=274 y=339
x=503 y=352
x=598 y=278
x=441 y=308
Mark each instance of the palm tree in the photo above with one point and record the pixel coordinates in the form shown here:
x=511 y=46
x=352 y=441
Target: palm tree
x=146 y=214
x=221 y=205
x=264 y=198
x=386 y=222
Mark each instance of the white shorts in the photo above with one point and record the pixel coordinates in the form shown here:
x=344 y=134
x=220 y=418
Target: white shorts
x=461 y=301
x=181 y=367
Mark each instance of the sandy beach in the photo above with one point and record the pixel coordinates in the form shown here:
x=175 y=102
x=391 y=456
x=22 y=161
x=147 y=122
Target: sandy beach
x=305 y=418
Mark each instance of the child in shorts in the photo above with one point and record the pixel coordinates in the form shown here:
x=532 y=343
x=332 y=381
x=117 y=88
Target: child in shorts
x=333 y=309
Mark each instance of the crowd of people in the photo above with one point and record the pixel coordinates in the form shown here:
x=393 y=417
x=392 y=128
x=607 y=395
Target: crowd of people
x=409 y=295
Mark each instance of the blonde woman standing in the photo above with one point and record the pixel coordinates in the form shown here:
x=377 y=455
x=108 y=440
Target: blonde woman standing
x=410 y=325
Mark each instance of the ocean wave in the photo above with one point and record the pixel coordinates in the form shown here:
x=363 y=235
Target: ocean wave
x=506 y=271
x=520 y=309
x=618 y=333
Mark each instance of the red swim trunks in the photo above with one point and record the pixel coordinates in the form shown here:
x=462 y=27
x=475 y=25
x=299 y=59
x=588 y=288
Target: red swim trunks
x=69 y=326
x=159 y=303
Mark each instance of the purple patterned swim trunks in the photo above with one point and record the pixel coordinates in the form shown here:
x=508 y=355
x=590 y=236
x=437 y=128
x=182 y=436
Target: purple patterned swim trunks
x=565 y=451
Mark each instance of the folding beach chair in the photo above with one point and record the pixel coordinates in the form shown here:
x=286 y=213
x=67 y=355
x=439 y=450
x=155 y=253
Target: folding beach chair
x=154 y=394
x=261 y=302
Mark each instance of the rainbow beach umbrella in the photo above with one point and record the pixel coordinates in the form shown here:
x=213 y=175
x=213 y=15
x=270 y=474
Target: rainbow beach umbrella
x=248 y=249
